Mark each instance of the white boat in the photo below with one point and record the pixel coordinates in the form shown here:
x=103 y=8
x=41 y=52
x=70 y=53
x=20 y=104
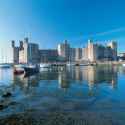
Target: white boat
x=45 y=65
x=5 y=65
x=123 y=65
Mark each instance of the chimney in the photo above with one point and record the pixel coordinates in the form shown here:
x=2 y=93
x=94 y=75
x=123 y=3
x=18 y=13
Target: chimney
x=21 y=45
x=13 y=43
x=26 y=40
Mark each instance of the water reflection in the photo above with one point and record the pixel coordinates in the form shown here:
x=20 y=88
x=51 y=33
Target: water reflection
x=96 y=75
x=6 y=77
x=91 y=75
x=72 y=88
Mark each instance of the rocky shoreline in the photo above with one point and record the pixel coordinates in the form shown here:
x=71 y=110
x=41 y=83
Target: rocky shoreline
x=61 y=118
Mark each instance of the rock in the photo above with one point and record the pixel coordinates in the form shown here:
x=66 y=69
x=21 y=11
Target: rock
x=6 y=95
x=2 y=107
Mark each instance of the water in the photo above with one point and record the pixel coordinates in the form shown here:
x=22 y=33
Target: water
x=97 y=89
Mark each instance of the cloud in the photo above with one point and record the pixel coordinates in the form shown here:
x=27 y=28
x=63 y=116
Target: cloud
x=99 y=34
x=108 y=32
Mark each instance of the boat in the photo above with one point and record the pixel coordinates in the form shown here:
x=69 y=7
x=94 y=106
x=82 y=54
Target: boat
x=5 y=65
x=45 y=65
x=18 y=72
x=31 y=69
x=19 y=69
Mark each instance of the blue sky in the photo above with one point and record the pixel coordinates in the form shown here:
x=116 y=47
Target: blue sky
x=49 y=22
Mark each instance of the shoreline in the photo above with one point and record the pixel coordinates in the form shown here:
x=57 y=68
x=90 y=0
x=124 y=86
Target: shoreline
x=64 y=63
x=110 y=63
x=63 y=118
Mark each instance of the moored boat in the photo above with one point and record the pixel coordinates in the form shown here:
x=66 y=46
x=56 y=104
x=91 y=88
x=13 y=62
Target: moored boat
x=18 y=72
x=19 y=69
x=31 y=69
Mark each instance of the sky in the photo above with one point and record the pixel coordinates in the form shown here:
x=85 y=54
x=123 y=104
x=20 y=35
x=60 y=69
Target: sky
x=49 y=22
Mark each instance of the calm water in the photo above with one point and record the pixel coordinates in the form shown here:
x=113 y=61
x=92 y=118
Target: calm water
x=99 y=88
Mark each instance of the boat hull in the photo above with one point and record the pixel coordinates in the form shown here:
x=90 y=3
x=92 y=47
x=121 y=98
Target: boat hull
x=19 y=69
x=18 y=72
x=29 y=70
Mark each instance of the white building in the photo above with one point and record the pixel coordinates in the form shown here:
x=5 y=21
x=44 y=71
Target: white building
x=113 y=46
x=92 y=51
x=78 y=54
x=14 y=53
x=29 y=53
x=64 y=51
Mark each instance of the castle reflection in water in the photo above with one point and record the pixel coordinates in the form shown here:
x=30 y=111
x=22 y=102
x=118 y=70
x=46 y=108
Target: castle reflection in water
x=92 y=76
